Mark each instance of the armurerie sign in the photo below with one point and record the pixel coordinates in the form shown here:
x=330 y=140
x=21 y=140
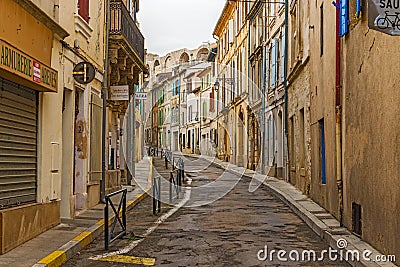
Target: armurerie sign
x=384 y=16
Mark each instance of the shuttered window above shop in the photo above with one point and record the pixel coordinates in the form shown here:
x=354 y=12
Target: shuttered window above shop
x=18 y=144
x=83 y=9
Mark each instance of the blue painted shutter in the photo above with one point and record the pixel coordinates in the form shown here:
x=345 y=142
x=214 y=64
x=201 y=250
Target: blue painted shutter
x=179 y=86
x=344 y=17
x=358 y=8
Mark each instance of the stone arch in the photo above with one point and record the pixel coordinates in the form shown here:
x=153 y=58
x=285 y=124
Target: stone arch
x=279 y=139
x=240 y=143
x=168 y=62
x=156 y=64
x=270 y=138
x=184 y=58
x=202 y=54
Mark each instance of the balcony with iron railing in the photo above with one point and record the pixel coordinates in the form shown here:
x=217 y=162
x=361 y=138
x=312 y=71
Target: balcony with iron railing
x=122 y=24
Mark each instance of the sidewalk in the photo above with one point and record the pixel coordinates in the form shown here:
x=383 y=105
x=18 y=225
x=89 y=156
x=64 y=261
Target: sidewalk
x=57 y=245
x=316 y=217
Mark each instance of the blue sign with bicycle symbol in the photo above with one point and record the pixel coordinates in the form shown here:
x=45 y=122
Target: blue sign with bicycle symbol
x=384 y=16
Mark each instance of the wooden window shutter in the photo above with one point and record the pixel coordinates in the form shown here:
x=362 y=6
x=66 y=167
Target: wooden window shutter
x=83 y=9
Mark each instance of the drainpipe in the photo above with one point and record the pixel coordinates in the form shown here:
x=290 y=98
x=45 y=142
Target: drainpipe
x=200 y=119
x=249 y=95
x=285 y=84
x=264 y=89
x=133 y=135
x=339 y=179
x=104 y=93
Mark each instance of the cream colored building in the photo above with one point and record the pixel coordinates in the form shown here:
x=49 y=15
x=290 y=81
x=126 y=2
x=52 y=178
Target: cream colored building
x=82 y=107
x=126 y=68
x=207 y=110
x=299 y=97
x=31 y=110
x=168 y=85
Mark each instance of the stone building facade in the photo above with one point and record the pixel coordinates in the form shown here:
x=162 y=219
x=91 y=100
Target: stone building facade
x=341 y=146
x=167 y=83
x=370 y=130
x=299 y=80
x=232 y=31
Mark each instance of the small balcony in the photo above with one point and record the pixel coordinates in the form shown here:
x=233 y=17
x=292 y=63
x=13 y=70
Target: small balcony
x=122 y=25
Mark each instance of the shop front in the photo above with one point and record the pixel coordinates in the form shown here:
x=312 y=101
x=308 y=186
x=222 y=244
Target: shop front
x=29 y=175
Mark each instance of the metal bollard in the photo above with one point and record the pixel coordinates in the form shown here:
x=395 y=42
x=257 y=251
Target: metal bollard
x=156 y=195
x=171 y=180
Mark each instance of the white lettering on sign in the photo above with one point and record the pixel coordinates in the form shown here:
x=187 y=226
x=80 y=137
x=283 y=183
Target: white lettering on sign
x=36 y=71
x=140 y=95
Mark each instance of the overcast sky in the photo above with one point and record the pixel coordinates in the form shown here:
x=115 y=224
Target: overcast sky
x=168 y=25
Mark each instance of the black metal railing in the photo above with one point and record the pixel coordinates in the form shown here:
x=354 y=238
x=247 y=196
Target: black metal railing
x=122 y=24
x=152 y=152
x=176 y=177
x=119 y=216
x=167 y=158
x=174 y=188
x=156 y=188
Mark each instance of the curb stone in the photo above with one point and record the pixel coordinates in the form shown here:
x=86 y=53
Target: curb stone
x=69 y=250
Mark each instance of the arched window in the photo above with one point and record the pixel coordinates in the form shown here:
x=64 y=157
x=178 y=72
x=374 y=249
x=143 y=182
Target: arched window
x=202 y=54
x=279 y=140
x=168 y=62
x=156 y=64
x=184 y=58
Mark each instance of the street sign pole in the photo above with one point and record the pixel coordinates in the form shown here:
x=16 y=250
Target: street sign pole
x=134 y=134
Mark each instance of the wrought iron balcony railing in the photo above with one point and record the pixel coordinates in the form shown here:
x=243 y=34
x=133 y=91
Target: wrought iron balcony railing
x=122 y=24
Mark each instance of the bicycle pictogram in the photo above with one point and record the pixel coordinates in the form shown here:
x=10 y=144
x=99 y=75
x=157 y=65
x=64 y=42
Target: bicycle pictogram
x=389 y=21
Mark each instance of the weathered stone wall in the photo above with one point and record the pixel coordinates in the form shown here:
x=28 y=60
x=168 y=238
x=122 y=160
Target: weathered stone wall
x=299 y=98
x=371 y=173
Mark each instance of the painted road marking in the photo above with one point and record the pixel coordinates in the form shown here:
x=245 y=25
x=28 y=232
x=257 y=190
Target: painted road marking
x=130 y=260
x=56 y=258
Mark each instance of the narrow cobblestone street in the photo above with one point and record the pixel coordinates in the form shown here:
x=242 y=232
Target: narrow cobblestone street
x=228 y=232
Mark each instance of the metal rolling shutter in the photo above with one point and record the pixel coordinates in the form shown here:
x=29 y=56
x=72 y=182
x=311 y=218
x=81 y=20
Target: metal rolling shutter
x=18 y=144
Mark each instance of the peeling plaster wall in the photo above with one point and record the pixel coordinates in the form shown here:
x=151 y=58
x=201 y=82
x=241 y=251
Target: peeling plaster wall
x=322 y=105
x=299 y=98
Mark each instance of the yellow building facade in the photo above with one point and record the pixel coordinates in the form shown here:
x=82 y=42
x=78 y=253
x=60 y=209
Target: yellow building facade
x=232 y=33
x=31 y=98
